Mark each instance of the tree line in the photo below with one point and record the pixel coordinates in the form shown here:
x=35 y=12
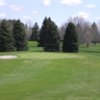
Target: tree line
x=87 y=32
x=48 y=37
x=14 y=35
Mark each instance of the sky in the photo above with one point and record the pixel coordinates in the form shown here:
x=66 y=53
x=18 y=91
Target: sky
x=31 y=11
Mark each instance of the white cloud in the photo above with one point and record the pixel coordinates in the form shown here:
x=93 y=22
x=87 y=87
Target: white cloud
x=2 y=15
x=2 y=3
x=15 y=7
x=82 y=14
x=91 y=6
x=35 y=12
x=71 y=2
x=47 y=2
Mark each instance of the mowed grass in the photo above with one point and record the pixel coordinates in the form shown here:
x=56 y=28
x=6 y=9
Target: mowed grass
x=38 y=75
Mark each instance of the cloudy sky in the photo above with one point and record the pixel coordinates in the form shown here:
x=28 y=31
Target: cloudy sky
x=30 y=11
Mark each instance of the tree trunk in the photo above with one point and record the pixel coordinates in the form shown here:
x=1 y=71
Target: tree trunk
x=87 y=45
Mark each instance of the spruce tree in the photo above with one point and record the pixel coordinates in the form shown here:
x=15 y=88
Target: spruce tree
x=49 y=37
x=20 y=36
x=70 y=41
x=43 y=32
x=52 y=38
x=7 y=41
x=35 y=32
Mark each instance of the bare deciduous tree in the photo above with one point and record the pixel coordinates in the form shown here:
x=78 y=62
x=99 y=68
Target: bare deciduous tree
x=95 y=33
x=83 y=30
x=62 y=31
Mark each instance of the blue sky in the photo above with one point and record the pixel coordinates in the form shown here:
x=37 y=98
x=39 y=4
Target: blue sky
x=31 y=11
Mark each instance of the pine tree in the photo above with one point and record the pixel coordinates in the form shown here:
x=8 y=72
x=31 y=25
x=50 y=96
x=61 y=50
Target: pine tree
x=20 y=36
x=49 y=37
x=52 y=38
x=7 y=41
x=70 y=41
x=43 y=32
x=35 y=32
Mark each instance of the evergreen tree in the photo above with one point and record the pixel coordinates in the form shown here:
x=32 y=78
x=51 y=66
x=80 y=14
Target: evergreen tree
x=7 y=41
x=43 y=32
x=49 y=36
x=20 y=36
x=70 y=41
x=35 y=32
x=52 y=38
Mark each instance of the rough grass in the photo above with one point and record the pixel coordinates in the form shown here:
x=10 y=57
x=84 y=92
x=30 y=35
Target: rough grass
x=36 y=75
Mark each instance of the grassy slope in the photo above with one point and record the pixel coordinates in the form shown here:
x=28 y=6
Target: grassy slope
x=36 y=75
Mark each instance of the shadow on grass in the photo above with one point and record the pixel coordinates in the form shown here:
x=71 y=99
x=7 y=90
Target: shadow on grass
x=88 y=51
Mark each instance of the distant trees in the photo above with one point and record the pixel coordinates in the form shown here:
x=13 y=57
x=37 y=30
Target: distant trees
x=12 y=35
x=70 y=41
x=87 y=33
x=35 y=32
x=28 y=31
x=62 y=30
x=49 y=37
x=83 y=29
x=95 y=33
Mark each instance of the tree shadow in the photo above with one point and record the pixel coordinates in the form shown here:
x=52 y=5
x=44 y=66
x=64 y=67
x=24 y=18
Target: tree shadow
x=88 y=51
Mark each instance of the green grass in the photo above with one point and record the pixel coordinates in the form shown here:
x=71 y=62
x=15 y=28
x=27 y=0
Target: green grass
x=38 y=75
